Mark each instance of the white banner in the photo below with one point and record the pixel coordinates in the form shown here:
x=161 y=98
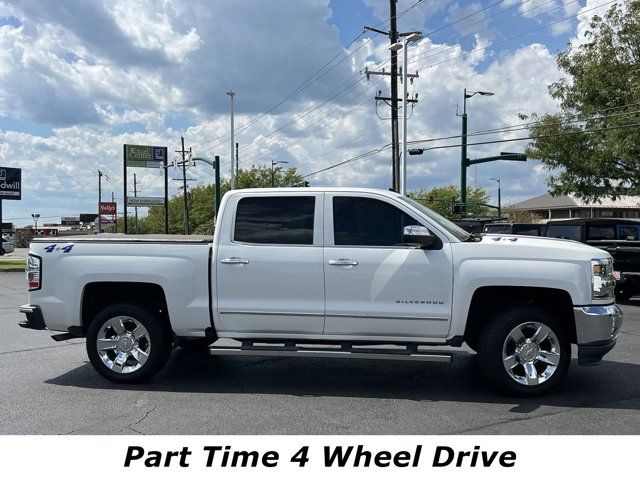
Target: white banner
x=334 y=457
x=145 y=201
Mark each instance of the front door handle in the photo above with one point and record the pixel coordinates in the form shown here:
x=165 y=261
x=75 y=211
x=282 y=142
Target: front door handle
x=343 y=262
x=234 y=261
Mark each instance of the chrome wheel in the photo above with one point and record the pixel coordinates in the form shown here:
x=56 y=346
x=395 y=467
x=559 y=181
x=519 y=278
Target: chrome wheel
x=123 y=344
x=531 y=353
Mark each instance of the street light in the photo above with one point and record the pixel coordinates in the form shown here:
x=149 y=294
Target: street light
x=35 y=217
x=463 y=153
x=411 y=37
x=231 y=94
x=216 y=167
x=273 y=164
x=499 y=199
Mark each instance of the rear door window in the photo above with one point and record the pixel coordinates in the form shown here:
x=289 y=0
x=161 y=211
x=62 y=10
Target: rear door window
x=601 y=232
x=569 y=232
x=275 y=220
x=628 y=232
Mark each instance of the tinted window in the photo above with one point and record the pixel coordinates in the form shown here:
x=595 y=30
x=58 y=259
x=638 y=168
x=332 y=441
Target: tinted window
x=533 y=230
x=366 y=221
x=278 y=220
x=596 y=232
x=570 y=232
x=497 y=228
x=628 y=232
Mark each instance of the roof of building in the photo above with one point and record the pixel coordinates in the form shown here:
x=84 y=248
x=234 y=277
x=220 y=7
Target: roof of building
x=549 y=202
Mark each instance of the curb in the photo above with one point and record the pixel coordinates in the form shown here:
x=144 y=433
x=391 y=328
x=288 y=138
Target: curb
x=12 y=270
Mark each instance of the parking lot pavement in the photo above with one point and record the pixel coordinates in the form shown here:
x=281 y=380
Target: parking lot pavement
x=17 y=254
x=50 y=388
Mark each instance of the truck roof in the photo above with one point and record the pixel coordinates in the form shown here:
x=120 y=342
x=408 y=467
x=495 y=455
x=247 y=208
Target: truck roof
x=302 y=190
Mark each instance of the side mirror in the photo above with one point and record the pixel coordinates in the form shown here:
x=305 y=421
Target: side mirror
x=419 y=236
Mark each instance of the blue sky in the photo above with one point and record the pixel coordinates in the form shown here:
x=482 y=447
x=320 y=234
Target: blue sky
x=78 y=82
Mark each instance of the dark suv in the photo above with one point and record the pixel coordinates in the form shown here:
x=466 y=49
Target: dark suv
x=533 y=229
x=618 y=236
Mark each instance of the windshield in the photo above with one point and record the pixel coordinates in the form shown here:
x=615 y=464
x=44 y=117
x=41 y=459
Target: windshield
x=446 y=224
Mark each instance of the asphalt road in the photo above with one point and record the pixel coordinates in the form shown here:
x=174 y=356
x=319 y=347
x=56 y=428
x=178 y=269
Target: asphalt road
x=50 y=388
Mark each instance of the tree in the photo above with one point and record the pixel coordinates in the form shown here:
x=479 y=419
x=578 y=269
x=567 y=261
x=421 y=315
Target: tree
x=520 y=216
x=602 y=93
x=442 y=200
x=201 y=201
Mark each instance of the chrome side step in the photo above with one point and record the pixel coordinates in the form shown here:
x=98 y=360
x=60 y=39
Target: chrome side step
x=346 y=350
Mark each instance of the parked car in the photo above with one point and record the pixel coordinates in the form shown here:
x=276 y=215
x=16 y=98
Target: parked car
x=350 y=269
x=620 y=237
x=474 y=225
x=7 y=245
x=532 y=229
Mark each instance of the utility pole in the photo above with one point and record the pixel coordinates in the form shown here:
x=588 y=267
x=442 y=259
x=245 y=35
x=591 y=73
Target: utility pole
x=99 y=201
x=395 y=143
x=231 y=94
x=393 y=100
x=115 y=214
x=135 y=194
x=184 y=152
x=237 y=158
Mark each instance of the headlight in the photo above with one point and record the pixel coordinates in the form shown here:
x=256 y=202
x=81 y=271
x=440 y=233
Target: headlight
x=602 y=281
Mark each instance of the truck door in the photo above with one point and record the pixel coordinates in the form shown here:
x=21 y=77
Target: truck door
x=269 y=265
x=375 y=285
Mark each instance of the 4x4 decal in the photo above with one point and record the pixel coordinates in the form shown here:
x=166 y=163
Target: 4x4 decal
x=54 y=248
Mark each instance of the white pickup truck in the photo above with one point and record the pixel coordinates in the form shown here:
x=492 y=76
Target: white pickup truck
x=329 y=273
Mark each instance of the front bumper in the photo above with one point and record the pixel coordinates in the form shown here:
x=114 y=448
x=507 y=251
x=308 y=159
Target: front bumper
x=597 y=328
x=34 y=320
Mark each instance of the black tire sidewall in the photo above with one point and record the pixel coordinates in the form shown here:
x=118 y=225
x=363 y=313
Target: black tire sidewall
x=159 y=336
x=492 y=339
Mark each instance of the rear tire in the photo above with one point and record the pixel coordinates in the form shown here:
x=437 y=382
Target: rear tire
x=524 y=351
x=128 y=344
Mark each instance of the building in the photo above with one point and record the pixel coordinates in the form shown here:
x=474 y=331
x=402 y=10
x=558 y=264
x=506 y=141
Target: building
x=548 y=207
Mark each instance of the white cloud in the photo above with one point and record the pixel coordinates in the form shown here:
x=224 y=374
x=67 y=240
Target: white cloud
x=134 y=72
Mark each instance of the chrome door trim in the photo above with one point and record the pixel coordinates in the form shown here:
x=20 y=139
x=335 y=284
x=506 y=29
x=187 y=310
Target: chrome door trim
x=395 y=317
x=282 y=314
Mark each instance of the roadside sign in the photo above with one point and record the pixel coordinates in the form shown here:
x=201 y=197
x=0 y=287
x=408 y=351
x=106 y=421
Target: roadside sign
x=144 y=156
x=88 y=217
x=145 y=201
x=70 y=221
x=10 y=183
x=108 y=208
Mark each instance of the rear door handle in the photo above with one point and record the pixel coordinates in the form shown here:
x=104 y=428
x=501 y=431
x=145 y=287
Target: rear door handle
x=234 y=261
x=343 y=262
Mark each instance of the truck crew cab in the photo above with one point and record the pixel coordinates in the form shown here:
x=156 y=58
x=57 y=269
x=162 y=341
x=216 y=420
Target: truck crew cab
x=329 y=272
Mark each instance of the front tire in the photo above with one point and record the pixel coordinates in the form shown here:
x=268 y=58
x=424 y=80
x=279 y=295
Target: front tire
x=524 y=351
x=128 y=344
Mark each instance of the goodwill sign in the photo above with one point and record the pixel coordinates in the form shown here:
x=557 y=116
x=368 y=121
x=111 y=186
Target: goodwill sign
x=10 y=183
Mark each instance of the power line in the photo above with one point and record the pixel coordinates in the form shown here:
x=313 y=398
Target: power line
x=297 y=139
x=464 y=54
x=488 y=142
x=315 y=76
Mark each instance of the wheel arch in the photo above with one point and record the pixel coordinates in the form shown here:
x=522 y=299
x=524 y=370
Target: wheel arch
x=489 y=300
x=97 y=296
